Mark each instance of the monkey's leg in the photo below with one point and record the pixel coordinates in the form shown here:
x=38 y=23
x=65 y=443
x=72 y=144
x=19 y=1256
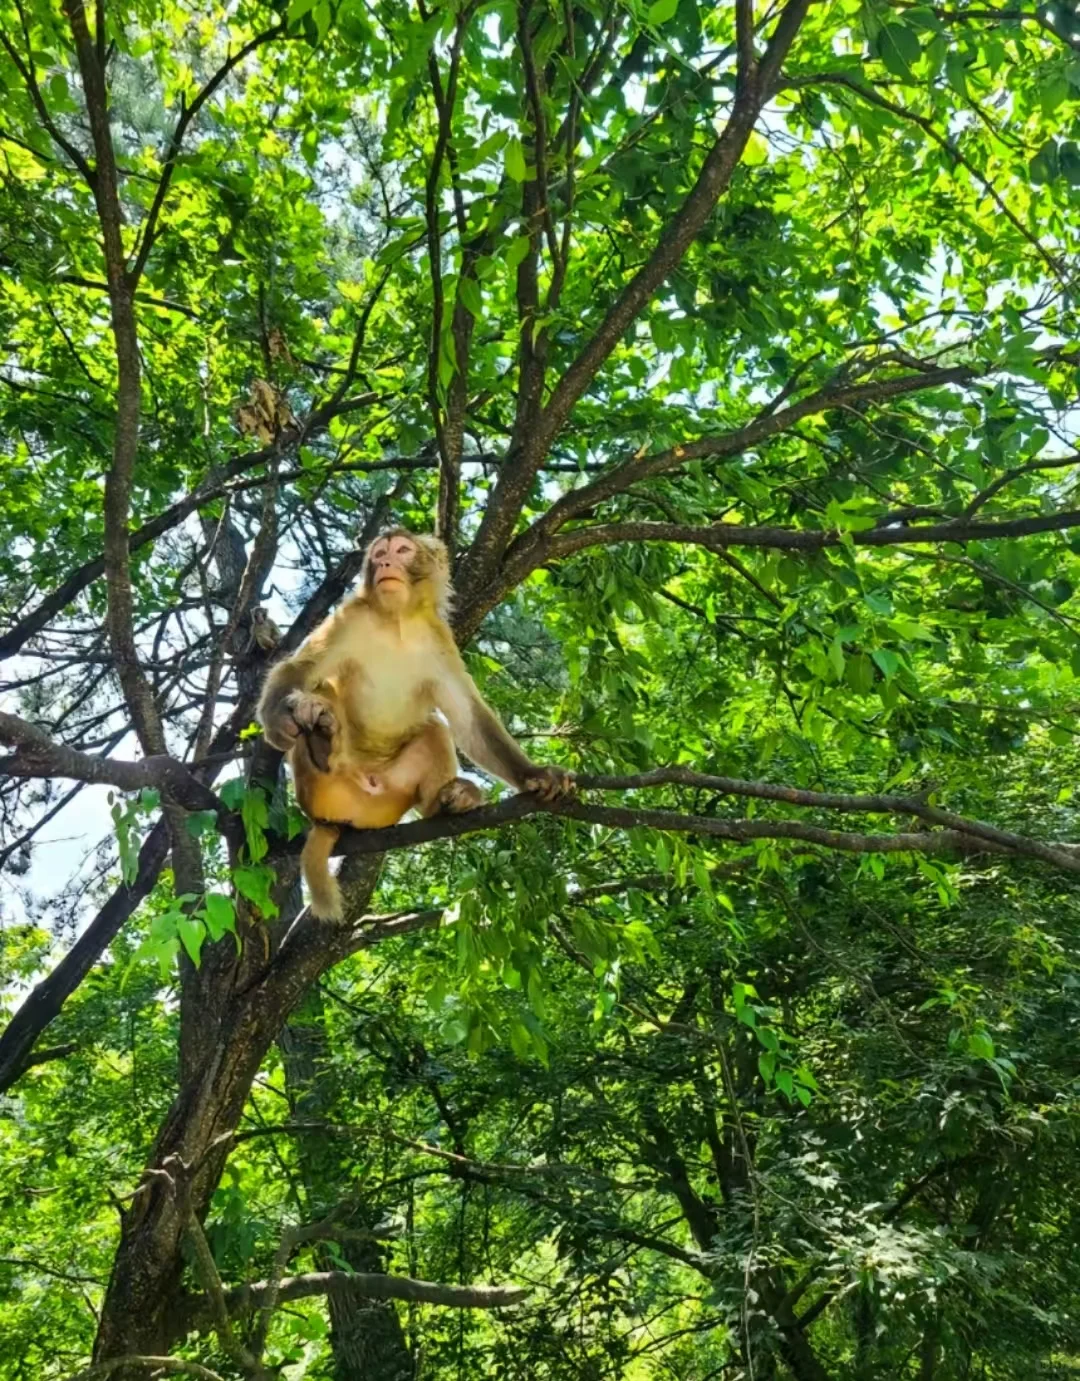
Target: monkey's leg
x=334 y=799
x=430 y=762
x=315 y=866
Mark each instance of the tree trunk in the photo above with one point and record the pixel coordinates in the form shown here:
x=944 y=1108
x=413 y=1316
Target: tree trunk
x=793 y=1345
x=366 y=1336
x=928 y=1350
x=247 y=1007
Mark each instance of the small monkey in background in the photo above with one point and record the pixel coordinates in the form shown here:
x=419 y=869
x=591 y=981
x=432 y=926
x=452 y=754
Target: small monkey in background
x=363 y=711
x=265 y=633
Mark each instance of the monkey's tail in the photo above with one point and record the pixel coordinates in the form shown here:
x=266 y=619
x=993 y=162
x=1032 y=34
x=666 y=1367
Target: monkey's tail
x=315 y=866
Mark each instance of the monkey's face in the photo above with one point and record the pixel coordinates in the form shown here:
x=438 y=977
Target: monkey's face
x=405 y=572
x=392 y=573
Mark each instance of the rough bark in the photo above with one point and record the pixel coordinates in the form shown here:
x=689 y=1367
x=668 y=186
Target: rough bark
x=252 y=1002
x=366 y=1336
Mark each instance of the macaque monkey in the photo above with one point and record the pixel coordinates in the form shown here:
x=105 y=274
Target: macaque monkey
x=370 y=708
x=265 y=633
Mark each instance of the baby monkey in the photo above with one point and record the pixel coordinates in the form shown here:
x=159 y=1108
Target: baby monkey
x=362 y=711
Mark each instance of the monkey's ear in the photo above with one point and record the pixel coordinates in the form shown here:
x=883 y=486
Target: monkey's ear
x=436 y=552
x=436 y=549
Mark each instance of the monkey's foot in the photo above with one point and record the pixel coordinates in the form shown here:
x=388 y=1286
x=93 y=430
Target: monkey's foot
x=459 y=795
x=312 y=713
x=549 y=783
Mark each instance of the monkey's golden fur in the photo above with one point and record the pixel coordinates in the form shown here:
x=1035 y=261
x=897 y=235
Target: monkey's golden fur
x=370 y=708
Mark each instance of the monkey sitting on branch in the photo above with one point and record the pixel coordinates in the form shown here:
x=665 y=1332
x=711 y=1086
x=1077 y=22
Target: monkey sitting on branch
x=362 y=711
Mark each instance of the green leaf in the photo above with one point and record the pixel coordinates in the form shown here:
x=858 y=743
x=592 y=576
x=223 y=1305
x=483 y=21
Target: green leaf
x=255 y=813
x=1069 y=162
x=956 y=71
x=980 y=1045
x=899 y=49
x=515 y=160
x=254 y=882
x=859 y=673
x=888 y=662
x=1044 y=167
x=201 y=822
x=661 y=11
x=191 y=933
x=518 y=248
x=454 y=1031
x=756 y=151
x=220 y=914
x=469 y=293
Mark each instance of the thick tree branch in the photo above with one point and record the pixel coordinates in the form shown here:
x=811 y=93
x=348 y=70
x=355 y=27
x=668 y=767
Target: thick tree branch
x=536 y=216
x=177 y=1365
x=445 y=104
x=517 y=477
x=959 y=834
x=635 y=468
x=719 y=536
x=44 y=1001
x=243 y=1299
x=37 y=755
x=120 y=607
x=746 y=67
x=533 y=547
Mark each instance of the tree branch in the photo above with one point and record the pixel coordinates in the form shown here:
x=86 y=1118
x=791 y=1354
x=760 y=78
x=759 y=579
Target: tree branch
x=174 y=1364
x=720 y=536
x=516 y=479
x=532 y=548
x=187 y=115
x=445 y=103
x=120 y=607
x=214 y=486
x=26 y=71
x=368 y=1285
x=259 y=562
x=44 y=1001
x=37 y=755
x=950 y=146
x=959 y=834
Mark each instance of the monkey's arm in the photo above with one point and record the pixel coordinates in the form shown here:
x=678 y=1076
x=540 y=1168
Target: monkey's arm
x=480 y=734
x=278 y=698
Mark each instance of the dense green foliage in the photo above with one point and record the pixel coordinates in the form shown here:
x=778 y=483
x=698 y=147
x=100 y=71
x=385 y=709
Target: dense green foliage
x=778 y=1104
